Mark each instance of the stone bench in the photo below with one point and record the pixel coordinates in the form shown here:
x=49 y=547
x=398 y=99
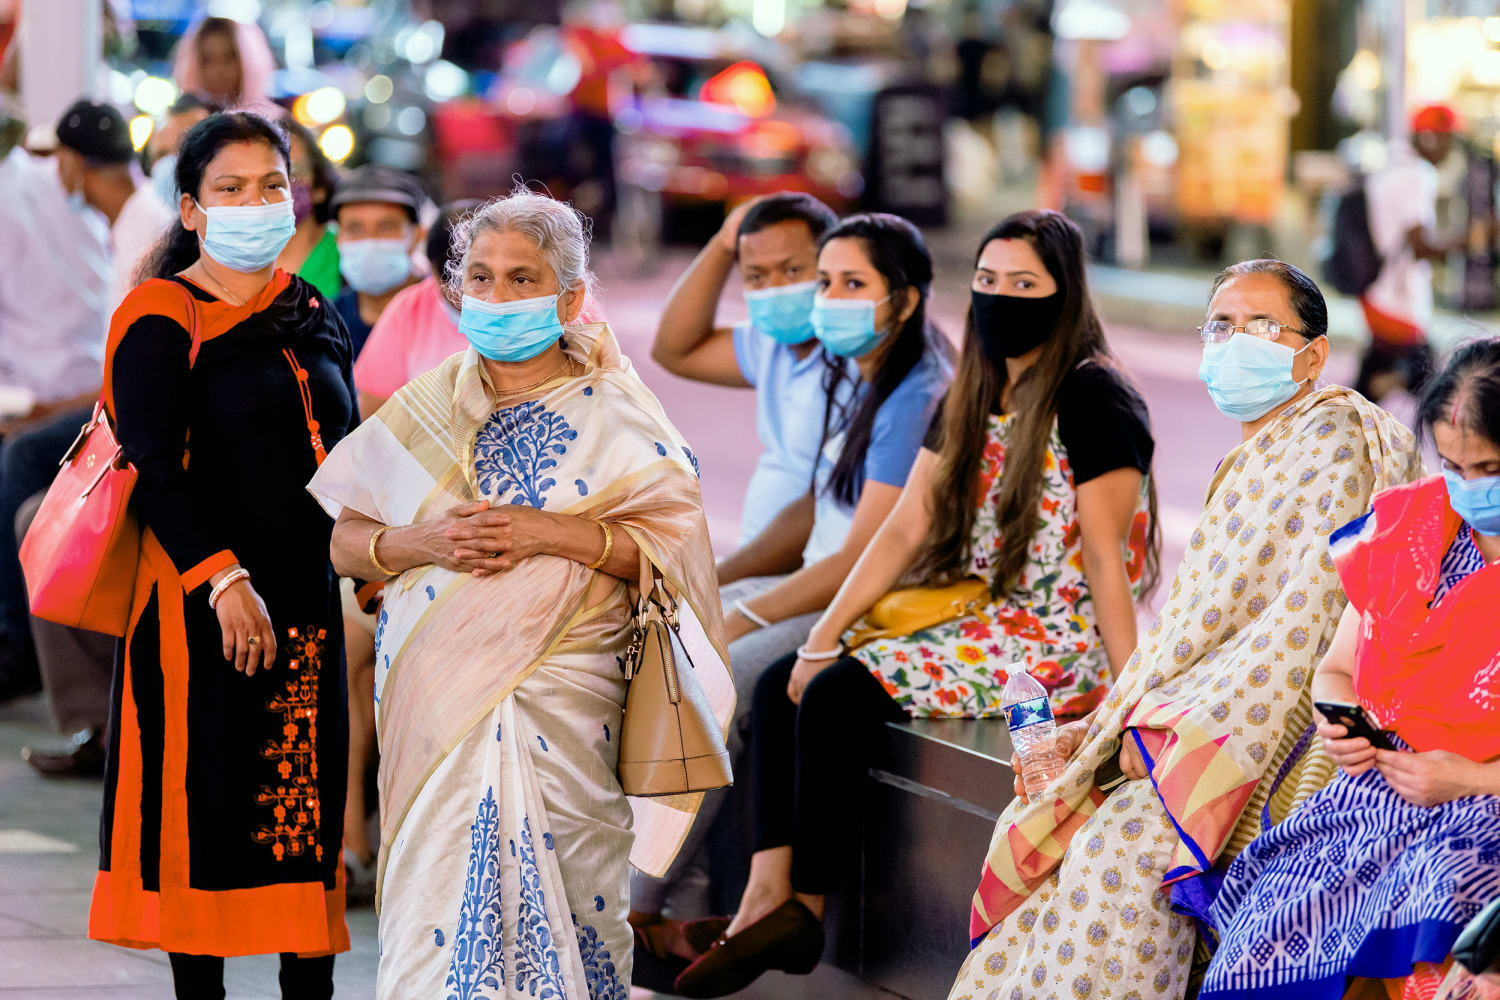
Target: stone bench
x=937 y=787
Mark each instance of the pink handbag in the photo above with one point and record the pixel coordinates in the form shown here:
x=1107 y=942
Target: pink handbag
x=81 y=552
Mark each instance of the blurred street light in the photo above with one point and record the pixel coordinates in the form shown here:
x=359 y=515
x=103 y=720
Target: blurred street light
x=445 y=81
x=768 y=17
x=319 y=107
x=379 y=89
x=140 y=131
x=1090 y=21
x=337 y=142
x=154 y=96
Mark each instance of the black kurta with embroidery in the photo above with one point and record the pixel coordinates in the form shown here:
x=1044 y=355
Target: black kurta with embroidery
x=223 y=816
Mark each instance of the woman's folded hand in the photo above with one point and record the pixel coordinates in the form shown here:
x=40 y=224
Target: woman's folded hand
x=1431 y=777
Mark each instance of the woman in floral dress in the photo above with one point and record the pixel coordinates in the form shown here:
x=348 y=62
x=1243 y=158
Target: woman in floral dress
x=1045 y=399
x=1062 y=539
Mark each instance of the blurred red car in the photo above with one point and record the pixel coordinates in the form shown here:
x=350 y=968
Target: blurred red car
x=712 y=126
x=695 y=121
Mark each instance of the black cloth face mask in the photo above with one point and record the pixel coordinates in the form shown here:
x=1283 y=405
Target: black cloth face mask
x=1011 y=325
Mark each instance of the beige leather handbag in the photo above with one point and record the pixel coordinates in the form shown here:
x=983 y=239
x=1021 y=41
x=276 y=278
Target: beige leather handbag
x=670 y=742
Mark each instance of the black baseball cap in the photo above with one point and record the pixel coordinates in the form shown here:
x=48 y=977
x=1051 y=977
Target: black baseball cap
x=373 y=182
x=97 y=132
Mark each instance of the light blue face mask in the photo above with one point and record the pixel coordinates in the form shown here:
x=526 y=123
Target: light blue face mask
x=510 y=331
x=784 y=314
x=374 y=266
x=846 y=326
x=1248 y=377
x=1477 y=501
x=247 y=238
x=164 y=180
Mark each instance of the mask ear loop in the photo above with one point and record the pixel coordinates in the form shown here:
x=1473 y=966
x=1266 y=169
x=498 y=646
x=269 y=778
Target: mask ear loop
x=1311 y=377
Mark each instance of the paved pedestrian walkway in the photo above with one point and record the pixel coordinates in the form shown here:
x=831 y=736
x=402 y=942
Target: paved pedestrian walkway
x=49 y=850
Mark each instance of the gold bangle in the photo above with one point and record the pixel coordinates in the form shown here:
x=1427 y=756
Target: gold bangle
x=609 y=545
x=374 y=559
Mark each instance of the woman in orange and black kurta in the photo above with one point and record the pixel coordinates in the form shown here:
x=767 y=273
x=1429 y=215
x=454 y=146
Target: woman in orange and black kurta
x=224 y=799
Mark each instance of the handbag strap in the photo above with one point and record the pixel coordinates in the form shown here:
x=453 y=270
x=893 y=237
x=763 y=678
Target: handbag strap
x=195 y=328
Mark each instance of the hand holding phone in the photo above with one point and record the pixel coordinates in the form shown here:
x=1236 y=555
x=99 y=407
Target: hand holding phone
x=1355 y=722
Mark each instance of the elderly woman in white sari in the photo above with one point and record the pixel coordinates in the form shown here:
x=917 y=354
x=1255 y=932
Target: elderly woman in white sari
x=511 y=493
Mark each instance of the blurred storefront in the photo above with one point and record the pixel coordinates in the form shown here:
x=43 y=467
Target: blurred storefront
x=1176 y=122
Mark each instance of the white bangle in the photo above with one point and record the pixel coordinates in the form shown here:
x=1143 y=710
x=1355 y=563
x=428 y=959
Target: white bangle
x=225 y=584
x=812 y=656
x=744 y=609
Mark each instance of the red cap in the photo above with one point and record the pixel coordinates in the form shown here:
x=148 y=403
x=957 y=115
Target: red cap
x=1435 y=118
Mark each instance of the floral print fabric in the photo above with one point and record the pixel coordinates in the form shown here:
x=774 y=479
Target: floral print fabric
x=1099 y=926
x=959 y=668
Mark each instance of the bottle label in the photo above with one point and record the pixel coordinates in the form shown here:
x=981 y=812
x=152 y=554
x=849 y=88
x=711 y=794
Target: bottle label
x=1028 y=713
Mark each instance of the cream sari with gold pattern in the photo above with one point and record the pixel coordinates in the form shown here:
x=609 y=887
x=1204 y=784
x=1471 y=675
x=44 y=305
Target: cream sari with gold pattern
x=1083 y=894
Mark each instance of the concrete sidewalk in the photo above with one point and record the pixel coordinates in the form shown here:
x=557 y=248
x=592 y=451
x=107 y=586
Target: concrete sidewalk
x=49 y=850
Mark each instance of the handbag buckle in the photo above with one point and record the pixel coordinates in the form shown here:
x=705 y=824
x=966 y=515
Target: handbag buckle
x=78 y=442
x=99 y=476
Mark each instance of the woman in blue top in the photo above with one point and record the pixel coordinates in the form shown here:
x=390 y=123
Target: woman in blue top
x=870 y=316
x=874 y=275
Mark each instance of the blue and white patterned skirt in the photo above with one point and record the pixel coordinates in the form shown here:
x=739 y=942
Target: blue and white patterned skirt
x=1357 y=882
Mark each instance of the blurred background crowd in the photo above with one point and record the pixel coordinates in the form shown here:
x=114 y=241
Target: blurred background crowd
x=1178 y=133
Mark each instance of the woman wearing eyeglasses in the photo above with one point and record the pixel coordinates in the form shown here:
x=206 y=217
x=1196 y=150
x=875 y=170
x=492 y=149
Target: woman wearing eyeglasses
x=1207 y=732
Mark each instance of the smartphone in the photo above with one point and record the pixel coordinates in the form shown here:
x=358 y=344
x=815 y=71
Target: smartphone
x=1354 y=719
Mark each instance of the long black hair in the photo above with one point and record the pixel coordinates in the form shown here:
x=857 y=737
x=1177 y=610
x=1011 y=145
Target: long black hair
x=177 y=250
x=1467 y=391
x=896 y=249
x=976 y=393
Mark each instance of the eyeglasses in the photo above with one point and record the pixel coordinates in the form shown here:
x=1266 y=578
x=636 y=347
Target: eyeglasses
x=1217 y=331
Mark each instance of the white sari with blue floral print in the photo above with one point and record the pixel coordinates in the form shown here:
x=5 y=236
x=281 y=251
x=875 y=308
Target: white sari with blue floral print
x=506 y=839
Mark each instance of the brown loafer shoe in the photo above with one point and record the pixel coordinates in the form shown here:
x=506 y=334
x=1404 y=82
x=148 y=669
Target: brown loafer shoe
x=83 y=758
x=701 y=934
x=789 y=938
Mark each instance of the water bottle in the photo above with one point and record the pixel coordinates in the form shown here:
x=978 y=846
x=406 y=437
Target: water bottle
x=1033 y=734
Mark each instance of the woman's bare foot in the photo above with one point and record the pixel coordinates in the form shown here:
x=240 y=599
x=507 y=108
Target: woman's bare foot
x=755 y=904
x=770 y=885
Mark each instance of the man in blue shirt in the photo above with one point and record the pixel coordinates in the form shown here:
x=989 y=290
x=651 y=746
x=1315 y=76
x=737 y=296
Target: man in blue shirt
x=775 y=242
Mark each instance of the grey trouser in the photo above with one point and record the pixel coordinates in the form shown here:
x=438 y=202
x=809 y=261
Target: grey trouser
x=75 y=664
x=749 y=657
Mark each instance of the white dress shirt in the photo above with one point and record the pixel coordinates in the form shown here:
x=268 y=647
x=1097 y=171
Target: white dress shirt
x=55 y=283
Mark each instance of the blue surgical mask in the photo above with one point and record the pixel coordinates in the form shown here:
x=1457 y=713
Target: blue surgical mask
x=784 y=314
x=846 y=326
x=248 y=238
x=374 y=266
x=1247 y=376
x=77 y=202
x=1477 y=501
x=164 y=180
x=510 y=331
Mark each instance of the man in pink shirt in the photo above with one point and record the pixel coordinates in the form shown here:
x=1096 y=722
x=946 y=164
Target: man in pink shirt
x=419 y=328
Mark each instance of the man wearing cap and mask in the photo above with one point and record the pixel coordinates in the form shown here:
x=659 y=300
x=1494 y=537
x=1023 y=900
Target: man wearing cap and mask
x=55 y=283
x=377 y=210
x=1403 y=215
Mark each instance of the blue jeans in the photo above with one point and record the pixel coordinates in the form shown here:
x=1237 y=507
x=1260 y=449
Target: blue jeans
x=28 y=463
